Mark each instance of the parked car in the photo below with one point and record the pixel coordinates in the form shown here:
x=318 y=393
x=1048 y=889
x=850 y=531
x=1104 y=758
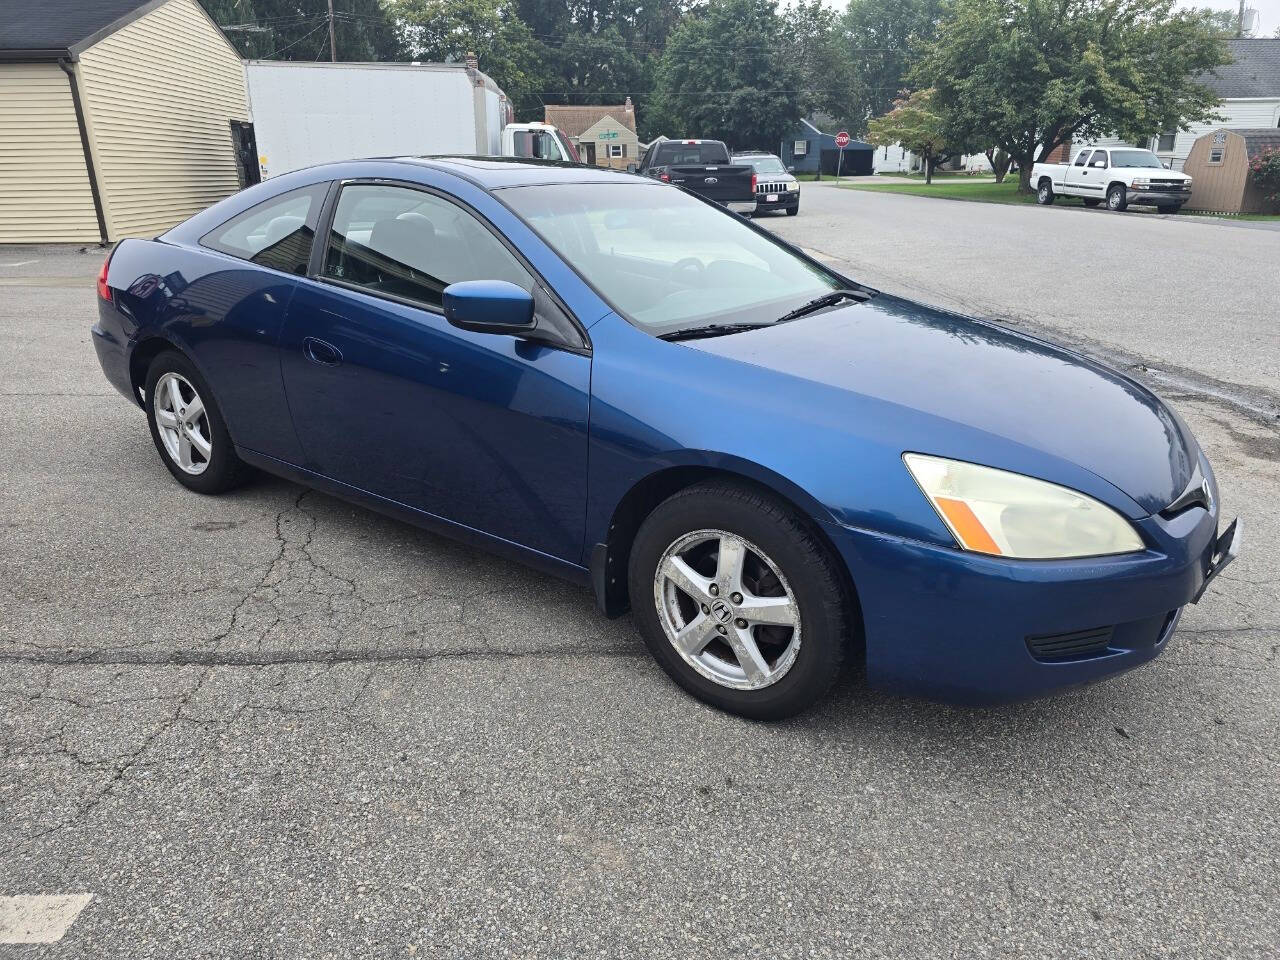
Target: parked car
x=1117 y=175
x=777 y=468
x=704 y=167
x=776 y=189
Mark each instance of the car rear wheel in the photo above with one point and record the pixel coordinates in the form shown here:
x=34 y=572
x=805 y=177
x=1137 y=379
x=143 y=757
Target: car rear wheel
x=187 y=427
x=1044 y=193
x=1116 y=199
x=738 y=602
x=1091 y=201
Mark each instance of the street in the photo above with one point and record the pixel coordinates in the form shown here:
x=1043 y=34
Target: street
x=272 y=724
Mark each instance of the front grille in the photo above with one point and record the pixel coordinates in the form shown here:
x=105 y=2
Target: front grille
x=1167 y=184
x=1060 y=646
x=771 y=188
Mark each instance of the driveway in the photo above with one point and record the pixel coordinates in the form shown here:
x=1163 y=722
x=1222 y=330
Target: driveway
x=275 y=725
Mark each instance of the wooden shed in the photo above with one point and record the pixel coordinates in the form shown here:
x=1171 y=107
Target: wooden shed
x=1219 y=167
x=116 y=117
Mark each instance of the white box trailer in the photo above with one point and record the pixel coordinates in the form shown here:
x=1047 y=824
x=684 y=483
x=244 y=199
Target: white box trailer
x=309 y=113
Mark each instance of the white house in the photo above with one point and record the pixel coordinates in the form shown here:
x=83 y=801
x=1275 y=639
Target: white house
x=1250 y=92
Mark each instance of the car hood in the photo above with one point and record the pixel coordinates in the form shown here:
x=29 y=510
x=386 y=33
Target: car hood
x=984 y=378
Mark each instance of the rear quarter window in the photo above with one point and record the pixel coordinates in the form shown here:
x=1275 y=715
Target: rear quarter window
x=276 y=233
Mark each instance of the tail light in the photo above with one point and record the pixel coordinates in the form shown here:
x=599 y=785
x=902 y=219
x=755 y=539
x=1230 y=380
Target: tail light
x=104 y=291
x=753 y=183
x=664 y=177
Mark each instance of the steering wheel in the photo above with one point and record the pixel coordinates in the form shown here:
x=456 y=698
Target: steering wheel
x=688 y=264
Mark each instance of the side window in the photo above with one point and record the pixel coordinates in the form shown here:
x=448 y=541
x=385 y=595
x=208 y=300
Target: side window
x=276 y=233
x=407 y=243
x=1099 y=159
x=1082 y=158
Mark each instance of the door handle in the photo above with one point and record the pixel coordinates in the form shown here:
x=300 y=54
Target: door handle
x=321 y=352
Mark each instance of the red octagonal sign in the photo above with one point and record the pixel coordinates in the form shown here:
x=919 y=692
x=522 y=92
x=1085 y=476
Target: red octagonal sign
x=842 y=139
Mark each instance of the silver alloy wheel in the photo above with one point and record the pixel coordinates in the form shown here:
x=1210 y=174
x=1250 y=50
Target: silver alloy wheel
x=1115 y=198
x=738 y=626
x=183 y=423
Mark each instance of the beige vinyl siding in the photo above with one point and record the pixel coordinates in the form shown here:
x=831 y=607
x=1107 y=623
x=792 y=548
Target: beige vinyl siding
x=45 y=195
x=160 y=94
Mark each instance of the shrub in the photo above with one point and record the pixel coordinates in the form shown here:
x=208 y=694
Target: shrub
x=1265 y=170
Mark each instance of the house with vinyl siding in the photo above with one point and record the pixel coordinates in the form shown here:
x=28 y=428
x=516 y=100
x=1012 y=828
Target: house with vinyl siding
x=117 y=118
x=1249 y=97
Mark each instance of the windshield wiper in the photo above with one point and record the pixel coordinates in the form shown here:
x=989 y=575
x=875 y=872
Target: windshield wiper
x=710 y=330
x=826 y=300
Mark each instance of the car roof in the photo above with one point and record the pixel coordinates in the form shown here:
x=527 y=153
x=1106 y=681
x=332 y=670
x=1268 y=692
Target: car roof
x=495 y=173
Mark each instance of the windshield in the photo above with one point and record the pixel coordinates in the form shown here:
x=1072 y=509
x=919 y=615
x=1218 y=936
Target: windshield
x=673 y=153
x=763 y=164
x=1135 y=158
x=666 y=260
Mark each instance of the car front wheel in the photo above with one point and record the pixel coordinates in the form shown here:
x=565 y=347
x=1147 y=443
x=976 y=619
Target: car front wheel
x=738 y=602
x=187 y=427
x=1044 y=194
x=792 y=211
x=1116 y=199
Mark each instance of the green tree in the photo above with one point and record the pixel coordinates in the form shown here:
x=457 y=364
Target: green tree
x=882 y=40
x=447 y=30
x=1030 y=75
x=724 y=76
x=918 y=124
x=829 y=81
x=299 y=29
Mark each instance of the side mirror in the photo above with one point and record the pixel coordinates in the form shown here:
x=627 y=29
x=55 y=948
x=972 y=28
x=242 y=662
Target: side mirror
x=489 y=306
x=791 y=169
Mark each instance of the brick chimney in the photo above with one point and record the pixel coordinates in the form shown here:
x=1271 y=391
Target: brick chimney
x=472 y=62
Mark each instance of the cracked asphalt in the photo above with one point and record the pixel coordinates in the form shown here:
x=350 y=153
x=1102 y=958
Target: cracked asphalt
x=272 y=724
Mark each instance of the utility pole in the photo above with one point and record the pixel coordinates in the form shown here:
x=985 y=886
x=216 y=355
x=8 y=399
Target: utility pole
x=1239 y=20
x=333 y=44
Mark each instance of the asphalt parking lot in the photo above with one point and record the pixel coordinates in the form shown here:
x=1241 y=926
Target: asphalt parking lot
x=275 y=725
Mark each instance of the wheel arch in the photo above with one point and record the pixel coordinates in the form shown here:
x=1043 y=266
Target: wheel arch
x=610 y=556
x=1044 y=178
x=144 y=352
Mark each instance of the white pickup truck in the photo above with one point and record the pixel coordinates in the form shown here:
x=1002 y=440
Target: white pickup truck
x=1117 y=175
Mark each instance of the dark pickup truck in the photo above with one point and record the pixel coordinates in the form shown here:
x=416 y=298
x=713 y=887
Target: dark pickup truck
x=704 y=167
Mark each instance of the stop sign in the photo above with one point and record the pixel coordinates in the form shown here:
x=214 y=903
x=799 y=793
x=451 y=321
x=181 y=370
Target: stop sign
x=842 y=139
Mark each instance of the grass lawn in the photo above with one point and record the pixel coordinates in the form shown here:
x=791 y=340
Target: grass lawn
x=1007 y=192
x=952 y=188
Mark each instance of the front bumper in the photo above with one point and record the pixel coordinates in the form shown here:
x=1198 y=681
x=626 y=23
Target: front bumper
x=961 y=627
x=1163 y=198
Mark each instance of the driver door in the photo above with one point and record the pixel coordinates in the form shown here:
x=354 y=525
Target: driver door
x=388 y=397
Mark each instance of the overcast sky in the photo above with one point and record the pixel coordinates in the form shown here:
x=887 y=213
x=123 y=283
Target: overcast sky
x=1268 y=12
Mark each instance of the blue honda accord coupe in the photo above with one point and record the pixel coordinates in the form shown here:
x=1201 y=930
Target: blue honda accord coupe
x=775 y=468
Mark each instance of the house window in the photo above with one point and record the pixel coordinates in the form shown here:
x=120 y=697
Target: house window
x=800 y=148
x=617 y=150
x=1215 y=154
x=1164 y=143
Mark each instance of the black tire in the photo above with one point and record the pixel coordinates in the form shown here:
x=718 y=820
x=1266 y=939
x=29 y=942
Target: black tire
x=223 y=470
x=1091 y=202
x=1169 y=208
x=792 y=211
x=805 y=564
x=1044 y=193
x=1117 y=198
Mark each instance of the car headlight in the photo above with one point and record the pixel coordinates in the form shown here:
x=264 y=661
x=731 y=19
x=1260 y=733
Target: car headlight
x=1140 y=181
x=1010 y=515
x=793 y=186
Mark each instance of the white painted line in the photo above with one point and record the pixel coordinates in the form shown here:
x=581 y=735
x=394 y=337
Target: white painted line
x=39 y=919
x=19 y=263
